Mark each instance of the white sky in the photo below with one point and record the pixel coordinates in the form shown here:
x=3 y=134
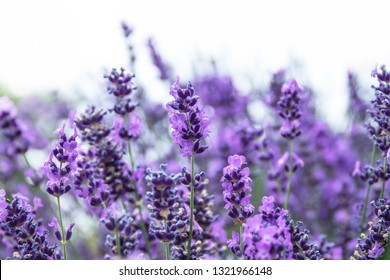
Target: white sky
x=66 y=45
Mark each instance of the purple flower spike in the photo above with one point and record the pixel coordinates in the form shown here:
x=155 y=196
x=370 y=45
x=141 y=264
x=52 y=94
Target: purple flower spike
x=189 y=121
x=27 y=237
x=236 y=189
x=61 y=165
x=371 y=245
x=121 y=83
x=16 y=140
x=289 y=110
x=163 y=68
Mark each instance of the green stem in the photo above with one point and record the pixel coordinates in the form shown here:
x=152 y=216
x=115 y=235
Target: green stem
x=63 y=241
x=130 y=155
x=143 y=225
x=166 y=245
x=367 y=194
x=26 y=160
x=384 y=181
x=118 y=243
x=191 y=207
x=290 y=173
x=241 y=243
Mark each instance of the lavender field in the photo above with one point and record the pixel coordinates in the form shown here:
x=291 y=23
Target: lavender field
x=207 y=175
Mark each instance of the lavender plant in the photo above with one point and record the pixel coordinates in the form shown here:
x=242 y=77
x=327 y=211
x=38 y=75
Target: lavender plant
x=293 y=187
x=190 y=127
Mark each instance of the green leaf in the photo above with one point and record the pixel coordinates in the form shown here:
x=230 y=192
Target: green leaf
x=386 y=254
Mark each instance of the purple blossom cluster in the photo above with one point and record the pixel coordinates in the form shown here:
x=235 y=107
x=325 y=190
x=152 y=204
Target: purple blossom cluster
x=189 y=121
x=218 y=172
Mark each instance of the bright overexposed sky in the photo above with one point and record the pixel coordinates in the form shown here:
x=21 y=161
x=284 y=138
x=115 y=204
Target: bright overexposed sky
x=66 y=45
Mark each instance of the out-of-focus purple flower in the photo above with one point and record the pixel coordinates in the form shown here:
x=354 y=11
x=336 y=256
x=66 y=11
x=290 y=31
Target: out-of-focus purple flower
x=3 y=205
x=220 y=93
x=121 y=83
x=165 y=71
x=54 y=226
x=284 y=164
x=128 y=128
x=289 y=110
x=127 y=29
x=358 y=107
x=236 y=189
x=189 y=121
x=13 y=138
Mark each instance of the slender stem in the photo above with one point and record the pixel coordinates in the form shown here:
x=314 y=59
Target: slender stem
x=367 y=194
x=241 y=243
x=365 y=209
x=26 y=160
x=63 y=241
x=118 y=243
x=290 y=173
x=166 y=245
x=384 y=181
x=143 y=225
x=191 y=207
x=130 y=155
x=139 y=205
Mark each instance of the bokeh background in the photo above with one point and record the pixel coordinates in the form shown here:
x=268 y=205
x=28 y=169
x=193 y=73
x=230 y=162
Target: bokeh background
x=68 y=45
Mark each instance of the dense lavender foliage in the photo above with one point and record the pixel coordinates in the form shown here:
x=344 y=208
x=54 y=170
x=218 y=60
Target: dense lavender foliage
x=201 y=177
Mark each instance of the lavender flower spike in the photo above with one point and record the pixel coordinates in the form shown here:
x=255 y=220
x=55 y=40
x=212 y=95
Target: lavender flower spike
x=188 y=120
x=61 y=173
x=236 y=189
x=371 y=245
x=289 y=110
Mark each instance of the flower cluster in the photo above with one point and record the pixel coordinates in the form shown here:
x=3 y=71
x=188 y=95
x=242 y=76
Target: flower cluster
x=60 y=172
x=371 y=245
x=236 y=189
x=13 y=139
x=188 y=120
x=289 y=110
x=30 y=239
x=123 y=238
x=266 y=234
x=168 y=210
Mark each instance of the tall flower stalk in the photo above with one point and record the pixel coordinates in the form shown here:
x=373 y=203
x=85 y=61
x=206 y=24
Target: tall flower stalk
x=60 y=169
x=379 y=131
x=290 y=113
x=237 y=196
x=127 y=129
x=189 y=128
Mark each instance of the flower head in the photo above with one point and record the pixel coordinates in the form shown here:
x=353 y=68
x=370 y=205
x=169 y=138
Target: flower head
x=189 y=122
x=236 y=189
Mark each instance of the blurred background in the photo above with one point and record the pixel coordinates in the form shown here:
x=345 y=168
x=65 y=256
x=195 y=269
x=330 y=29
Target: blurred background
x=69 y=45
